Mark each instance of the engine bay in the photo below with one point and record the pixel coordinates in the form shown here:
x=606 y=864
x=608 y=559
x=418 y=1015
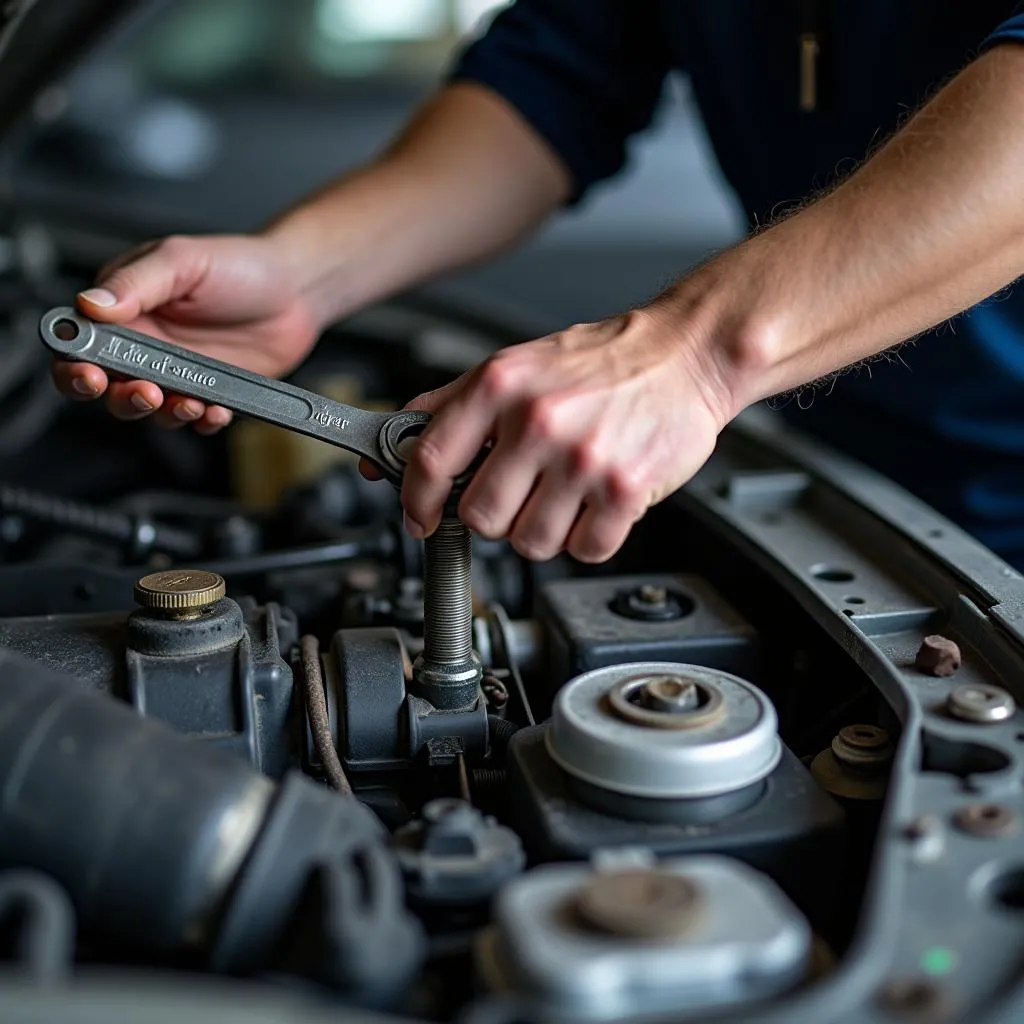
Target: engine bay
x=761 y=766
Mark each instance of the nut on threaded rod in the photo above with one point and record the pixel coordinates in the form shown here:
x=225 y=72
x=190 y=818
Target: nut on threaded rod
x=448 y=673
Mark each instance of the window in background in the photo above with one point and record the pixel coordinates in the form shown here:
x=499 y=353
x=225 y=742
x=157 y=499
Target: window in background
x=202 y=43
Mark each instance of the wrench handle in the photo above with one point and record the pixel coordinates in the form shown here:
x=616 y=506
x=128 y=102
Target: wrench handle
x=377 y=436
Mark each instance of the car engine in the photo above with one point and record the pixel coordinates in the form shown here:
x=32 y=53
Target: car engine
x=762 y=766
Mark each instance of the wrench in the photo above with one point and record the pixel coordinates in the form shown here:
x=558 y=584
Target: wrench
x=381 y=437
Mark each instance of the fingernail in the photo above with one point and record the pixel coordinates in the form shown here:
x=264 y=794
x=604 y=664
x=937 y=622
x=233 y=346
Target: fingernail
x=186 y=412
x=99 y=297
x=141 y=404
x=413 y=528
x=83 y=387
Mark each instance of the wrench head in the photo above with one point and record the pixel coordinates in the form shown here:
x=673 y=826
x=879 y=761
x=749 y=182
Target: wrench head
x=66 y=332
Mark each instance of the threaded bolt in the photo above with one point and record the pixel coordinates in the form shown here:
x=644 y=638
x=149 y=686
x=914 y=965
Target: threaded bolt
x=448 y=673
x=448 y=593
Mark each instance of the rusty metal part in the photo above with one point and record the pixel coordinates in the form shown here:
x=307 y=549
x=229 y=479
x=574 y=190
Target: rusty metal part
x=316 y=711
x=495 y=692
x=671 y=695
x=181 y=593
x=666 y=701
x=856 y=765
x=862 y=747
x=640 y=903
x=916 y=998
x=980 y=703
x=938 y=656
x=652 y=603
x=987 y=820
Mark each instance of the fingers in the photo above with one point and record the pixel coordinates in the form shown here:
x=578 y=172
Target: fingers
x=131 y=400
x=214 y=419
x=498 y=490
x=542 y=527
x=139 y=281
x=78 y=380
x=156 y=276
x=599 y=532
x=452 y=439
x=369 y=470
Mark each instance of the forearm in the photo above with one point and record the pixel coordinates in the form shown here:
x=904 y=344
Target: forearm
x=466 y=179
x=929 y=226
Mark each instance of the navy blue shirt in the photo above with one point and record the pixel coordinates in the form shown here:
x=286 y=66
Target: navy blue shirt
x=945 y=418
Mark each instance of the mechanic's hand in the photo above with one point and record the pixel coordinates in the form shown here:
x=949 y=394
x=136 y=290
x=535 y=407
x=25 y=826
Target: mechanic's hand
x=227 y=296
x=589 y=427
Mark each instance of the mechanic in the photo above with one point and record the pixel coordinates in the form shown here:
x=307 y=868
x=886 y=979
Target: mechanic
x=594 y=424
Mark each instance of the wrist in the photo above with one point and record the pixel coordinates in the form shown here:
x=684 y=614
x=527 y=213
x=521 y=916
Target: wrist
x=298 y=251
x=726 y=335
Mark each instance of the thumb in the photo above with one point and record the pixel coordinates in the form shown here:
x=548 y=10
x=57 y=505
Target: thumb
x=434 y=401
x=161 y=274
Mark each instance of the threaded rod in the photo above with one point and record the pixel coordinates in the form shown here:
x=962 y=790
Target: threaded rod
x=448 y=593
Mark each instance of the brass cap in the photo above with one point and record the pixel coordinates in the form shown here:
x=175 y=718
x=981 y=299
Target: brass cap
x=179 y=590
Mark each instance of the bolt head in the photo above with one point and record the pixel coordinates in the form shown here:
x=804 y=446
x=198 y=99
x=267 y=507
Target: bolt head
x=938 y=656
x=980 y=703
x=641 y=903
x=671 y=694
x=987 y=820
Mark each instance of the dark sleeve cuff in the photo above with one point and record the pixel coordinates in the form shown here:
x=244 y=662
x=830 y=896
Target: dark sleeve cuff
x=1010 y=31
x=584 y=76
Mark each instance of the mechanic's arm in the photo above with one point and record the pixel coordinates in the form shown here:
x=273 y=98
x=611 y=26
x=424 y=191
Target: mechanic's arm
x=465 y=179
x=593 y=425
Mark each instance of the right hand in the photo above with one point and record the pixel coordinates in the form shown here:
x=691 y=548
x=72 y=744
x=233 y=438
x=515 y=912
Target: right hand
x=228 y=296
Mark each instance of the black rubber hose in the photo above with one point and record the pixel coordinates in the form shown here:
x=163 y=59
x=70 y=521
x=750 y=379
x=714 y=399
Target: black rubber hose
x=316 y=711
x=139 y=535
x=166 y=844
x=144 y=828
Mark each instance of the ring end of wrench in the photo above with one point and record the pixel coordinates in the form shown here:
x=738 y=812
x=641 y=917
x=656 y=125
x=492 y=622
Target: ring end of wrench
x=65 y=332
x=396 y=437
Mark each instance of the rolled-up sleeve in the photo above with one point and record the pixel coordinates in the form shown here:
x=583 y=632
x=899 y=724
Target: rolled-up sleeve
x=1010 y=31
x=585 y=74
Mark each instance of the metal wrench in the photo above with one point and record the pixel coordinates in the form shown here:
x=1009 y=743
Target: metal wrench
x=381 y=437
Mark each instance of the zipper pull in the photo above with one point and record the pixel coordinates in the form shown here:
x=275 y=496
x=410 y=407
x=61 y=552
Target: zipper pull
x=809 y=51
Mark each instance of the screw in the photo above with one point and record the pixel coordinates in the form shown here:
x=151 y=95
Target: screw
x=980 y=703
x=987 y=821
x=448 y=673
x=651 y=602
x=671 y=694
x=642 y=903
x=448 y=593
x=938 y=656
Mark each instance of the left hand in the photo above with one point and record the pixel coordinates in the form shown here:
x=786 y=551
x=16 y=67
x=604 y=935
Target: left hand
x=589 y=427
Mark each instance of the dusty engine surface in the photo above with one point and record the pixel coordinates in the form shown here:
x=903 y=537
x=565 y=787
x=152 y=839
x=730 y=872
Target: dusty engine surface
x=761 y=767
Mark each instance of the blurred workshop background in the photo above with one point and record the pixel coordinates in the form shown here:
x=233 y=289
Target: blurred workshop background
x=214 y=114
